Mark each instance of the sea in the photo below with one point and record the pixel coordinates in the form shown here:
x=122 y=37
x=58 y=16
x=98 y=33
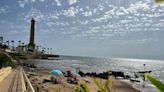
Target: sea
x=98 y=65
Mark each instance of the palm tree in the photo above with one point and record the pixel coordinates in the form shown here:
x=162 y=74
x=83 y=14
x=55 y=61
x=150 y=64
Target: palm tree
x=159 y=1
x=50 y=50
x=22 y=43
x=39 y=47
x=12 y=45
x=7 y=43
x=47 y=50
x=19 y=43
x=43 y=49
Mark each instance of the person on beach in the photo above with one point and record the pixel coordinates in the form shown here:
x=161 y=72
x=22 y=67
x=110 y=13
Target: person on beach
x=144 y=76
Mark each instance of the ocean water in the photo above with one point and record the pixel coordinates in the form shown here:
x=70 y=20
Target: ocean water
x=92 y=64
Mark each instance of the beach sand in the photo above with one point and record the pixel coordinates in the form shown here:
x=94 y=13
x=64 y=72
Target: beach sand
x=38 y=84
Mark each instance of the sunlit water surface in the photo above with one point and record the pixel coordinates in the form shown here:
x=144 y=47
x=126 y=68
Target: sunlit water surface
x=90 y=64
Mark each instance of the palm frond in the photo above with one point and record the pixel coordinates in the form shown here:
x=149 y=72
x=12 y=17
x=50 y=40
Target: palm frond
x=155 y=82
x=159 y=1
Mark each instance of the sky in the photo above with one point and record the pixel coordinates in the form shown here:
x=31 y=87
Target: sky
x=96 y=28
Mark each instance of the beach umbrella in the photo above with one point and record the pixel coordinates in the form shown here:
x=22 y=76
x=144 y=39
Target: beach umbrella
x=56 y=72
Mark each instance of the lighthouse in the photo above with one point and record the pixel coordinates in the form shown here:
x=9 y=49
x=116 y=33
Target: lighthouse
x=31 y=45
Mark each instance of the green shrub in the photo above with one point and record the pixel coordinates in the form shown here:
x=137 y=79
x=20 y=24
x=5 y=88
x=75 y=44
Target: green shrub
x=5 y=60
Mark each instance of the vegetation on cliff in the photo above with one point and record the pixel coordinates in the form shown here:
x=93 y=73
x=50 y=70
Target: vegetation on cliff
x=5 y=61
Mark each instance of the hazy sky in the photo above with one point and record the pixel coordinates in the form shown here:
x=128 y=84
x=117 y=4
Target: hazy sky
x=104 y=28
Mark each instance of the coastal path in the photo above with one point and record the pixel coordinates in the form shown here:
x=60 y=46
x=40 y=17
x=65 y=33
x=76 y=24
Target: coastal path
x=14 y=80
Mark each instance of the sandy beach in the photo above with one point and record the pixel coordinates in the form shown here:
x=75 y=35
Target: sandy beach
x=38 y=75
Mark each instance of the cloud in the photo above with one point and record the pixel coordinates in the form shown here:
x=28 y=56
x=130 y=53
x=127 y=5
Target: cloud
x=42 y=0
x=58 y=2
x=94 y=11
x=112 y=11
x=100 y=19
x=70 y=12
x=83 y=22
x=101 y=7
x=140 y=5
x=57 y=23
x=54 y=17
x=33 y=13
x=72 y=2
x=62 y=23
x=104 y=18
x=87 y=13
x=21 y=4
x=4 y=9
x=70 y=31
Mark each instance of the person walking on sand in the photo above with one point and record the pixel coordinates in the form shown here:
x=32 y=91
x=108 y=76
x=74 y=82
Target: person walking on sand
x=144 y=76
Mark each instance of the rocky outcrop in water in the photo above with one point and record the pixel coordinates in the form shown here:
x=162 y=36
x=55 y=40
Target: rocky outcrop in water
x=103 y=75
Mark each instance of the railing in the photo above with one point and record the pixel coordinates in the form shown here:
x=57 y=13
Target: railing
x=20 y=81
x=26 y=85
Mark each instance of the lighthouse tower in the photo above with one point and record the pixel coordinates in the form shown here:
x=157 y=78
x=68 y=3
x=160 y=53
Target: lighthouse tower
x=31 y=45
